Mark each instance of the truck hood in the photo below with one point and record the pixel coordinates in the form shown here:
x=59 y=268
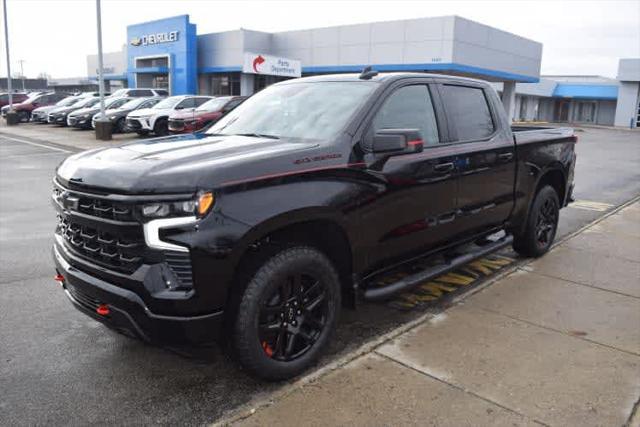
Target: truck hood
x=181 y=164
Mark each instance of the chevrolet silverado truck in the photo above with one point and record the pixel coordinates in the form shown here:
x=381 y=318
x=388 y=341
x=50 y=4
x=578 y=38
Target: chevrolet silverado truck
x=259 y=230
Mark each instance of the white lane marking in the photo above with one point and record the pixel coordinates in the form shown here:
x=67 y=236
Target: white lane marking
x=35 y=144
x=30 y=155
x=591 y=206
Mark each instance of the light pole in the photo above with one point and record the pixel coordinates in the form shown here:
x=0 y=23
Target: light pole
x=103 y=126
x=22 y=61
x=12 y=117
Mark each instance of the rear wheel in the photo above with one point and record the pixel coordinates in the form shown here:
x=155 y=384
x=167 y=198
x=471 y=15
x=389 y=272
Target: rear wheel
x=24 y=116
x=120 y=126
x=287 y=313
x=541 y=226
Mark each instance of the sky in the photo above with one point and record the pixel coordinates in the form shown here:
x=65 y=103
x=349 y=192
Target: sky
x=579 y=37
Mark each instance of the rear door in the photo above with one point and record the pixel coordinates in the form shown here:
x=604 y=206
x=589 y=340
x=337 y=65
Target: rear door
x=485 y=156
x=414 y=206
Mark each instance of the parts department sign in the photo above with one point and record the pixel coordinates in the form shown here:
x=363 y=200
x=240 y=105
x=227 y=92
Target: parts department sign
x=158 y=38
x=257 y=63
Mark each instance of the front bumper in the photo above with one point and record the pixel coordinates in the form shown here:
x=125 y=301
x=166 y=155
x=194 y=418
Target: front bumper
x=57 y=120
x=127 y=311
x=138 y=124
x=79 y=122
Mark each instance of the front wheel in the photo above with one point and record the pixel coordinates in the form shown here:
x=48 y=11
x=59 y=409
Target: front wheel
x=24 y=116
x=541 y=226
x=287 y=314
x=120 y=126
x=161 y=127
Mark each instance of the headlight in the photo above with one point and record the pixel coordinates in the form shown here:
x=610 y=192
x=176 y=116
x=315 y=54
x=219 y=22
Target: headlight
x=198 y=207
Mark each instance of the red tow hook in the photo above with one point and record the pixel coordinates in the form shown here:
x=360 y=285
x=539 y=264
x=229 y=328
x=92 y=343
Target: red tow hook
x=103 y=310
x=58 y=278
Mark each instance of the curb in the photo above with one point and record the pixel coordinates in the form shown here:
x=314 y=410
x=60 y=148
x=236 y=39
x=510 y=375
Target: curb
x=251 y=407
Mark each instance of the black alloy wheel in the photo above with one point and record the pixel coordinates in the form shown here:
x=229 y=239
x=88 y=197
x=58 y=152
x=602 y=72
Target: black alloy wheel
x=284 y=319
x=542 y=223
x=546 y=222
x=292 y=317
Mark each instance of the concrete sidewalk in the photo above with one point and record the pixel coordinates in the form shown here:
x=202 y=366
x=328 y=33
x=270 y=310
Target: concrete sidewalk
x=556 y=342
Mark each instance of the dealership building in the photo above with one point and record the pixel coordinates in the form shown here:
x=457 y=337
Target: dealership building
x=169 y=53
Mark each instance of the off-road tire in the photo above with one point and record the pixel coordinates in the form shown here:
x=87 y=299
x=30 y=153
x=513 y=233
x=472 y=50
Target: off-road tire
x=245 y=341
x=528 y=243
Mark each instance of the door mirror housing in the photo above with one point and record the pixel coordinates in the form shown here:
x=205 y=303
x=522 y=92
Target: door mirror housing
x=397 y=141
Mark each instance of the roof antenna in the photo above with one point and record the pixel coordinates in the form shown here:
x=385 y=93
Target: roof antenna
x=367 y=73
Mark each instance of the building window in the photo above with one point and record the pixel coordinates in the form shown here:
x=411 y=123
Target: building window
x=225 y=84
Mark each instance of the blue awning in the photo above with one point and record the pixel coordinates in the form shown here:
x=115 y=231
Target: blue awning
x=586 y=91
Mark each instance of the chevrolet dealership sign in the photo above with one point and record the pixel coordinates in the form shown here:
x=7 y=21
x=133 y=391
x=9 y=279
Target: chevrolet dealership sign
x=168 y=37
x=255 y=63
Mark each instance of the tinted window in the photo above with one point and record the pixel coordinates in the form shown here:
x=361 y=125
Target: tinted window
x=468 y=110
x=162 y=92
x=140 y=92
x=199 y=101
x=232 y=104
x=409 y=107
x=186 y=103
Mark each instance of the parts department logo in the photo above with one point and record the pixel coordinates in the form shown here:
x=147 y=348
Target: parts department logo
x=158 y=38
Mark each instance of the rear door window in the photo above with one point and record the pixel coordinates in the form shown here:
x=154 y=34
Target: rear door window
x=468 y=110
x=409 y=107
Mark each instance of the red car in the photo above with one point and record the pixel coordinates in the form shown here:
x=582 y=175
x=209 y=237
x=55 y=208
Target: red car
x=34 y=101
x=207 y=113
x=16 y=98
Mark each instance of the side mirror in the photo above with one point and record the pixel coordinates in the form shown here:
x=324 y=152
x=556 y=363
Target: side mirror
x=397 y=141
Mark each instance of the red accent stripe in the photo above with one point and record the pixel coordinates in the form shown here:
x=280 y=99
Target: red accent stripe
x=415 y=142
x=281 y=174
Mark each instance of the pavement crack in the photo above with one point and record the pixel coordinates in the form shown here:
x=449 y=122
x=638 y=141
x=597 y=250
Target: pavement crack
x=559 y=331
x=460 y=388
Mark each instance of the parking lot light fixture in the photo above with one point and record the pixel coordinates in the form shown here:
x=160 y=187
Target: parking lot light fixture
x=103 y=125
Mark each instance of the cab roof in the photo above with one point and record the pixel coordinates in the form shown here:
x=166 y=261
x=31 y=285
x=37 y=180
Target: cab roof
x=380 y=77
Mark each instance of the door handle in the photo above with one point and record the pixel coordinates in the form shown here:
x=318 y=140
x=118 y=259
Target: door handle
x=505 y=156
x=444 y=167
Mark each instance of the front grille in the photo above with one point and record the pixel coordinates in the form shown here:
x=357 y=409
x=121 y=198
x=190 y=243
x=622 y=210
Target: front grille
x=133 y=124
x=119 y=252
x=180 y=265
x=102 y=208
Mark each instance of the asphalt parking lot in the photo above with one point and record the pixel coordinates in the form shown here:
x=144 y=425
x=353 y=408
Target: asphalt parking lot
x=59 y=367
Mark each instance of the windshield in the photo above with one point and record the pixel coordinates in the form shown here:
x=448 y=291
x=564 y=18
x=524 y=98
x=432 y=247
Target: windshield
x=113 y=103
x=168 y=103
x=120 y=92
x=133 y=104
x=67 y=101
x=89 y=102
x=313 y=110
x=213 y=105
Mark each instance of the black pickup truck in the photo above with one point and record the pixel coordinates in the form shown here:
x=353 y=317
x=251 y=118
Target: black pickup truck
x=257 y=231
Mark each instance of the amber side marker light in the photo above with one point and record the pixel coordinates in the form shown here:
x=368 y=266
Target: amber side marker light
x=205 y=201
x=103 y=310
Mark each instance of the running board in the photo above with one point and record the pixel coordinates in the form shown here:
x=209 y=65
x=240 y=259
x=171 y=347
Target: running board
x=384 y=292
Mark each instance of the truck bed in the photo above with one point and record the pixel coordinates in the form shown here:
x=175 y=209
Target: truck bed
x=530 y=134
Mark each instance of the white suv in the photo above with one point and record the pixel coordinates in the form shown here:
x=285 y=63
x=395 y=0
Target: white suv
x=137 y=92
x=155 y=119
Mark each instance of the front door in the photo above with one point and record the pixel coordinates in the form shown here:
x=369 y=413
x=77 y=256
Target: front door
x=413 y=208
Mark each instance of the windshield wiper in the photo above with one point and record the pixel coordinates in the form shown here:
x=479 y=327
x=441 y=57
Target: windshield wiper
x=258 y=135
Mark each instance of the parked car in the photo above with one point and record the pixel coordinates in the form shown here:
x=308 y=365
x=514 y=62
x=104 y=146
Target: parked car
x=59 y=115
x=302 y=198
x=140 y=92
x=41 y=114
x=155 y=119
x=82 y=118
x=118 y=116
x=16 y=98
x=209 y=112
x=34 y=101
